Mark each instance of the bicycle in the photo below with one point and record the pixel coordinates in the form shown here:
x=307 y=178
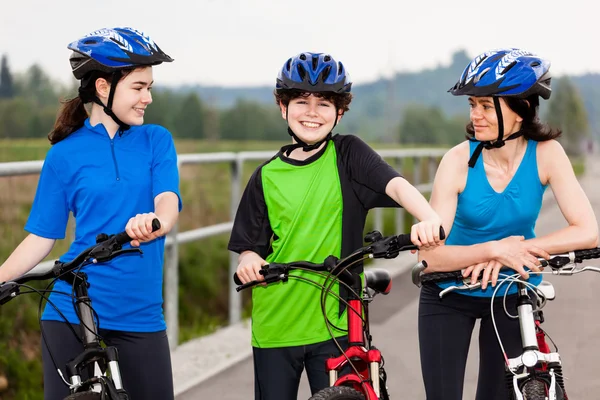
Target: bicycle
x=367 y=379
x=537 y=373
x=99 y=362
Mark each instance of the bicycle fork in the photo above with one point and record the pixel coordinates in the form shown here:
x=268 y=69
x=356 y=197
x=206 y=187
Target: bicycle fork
x=535 y=349
x=93 y=351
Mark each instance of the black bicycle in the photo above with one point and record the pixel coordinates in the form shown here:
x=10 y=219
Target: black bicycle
x=537 y=373
x=94 y=374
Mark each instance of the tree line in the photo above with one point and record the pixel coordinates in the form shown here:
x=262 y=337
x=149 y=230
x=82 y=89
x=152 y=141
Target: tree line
x=29 y=102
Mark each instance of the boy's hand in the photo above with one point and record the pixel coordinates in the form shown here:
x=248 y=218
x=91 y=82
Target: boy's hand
x=426 y=233
x=250 y=264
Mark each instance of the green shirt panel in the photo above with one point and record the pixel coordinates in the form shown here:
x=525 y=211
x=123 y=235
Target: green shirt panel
x=304 y=204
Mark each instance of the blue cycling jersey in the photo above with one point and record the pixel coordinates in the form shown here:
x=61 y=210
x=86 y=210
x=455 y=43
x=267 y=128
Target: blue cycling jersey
x=104 y=182
x=482 y=214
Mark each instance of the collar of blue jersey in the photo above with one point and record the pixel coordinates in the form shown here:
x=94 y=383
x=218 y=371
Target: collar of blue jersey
x=488 y=144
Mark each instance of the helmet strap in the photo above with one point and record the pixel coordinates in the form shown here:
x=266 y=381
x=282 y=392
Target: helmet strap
x=116 y=77
x=300 y=143
x=500 y=142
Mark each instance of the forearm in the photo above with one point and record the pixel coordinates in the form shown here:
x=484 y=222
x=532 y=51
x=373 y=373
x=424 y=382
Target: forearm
x=411 y=199
x=567 y=239
x=32 y=250
x=166 y=208
x=453 y=258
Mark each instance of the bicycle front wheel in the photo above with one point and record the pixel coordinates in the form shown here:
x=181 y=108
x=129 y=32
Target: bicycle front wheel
x=84 y=396
x=338 y=393
x=537 y=389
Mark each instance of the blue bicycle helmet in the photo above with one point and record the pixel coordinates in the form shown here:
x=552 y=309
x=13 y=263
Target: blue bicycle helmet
x=504 y=73
x=111 y=50
x=108 y=50
x=314 y=72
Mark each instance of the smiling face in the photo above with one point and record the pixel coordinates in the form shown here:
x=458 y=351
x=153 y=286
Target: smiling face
x=132 y=96
x=485 y=120
x=310 y=117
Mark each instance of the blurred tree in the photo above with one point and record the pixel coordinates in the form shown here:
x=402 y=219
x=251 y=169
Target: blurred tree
x=422 y=125
x=7 y=89
x=567 y=112
x=14 y=116
x=189 y=120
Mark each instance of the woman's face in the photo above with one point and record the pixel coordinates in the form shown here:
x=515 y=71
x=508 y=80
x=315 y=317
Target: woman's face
x=485 y=121
x=132 y=96
x=311 y=118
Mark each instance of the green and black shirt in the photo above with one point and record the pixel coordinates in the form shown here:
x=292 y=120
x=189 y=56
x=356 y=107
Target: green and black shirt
x=305 y=211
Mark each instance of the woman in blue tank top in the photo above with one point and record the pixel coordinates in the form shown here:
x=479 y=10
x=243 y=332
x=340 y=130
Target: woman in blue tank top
x=489 y=203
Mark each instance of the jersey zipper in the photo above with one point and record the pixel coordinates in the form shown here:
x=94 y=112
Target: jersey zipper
x=112 y=149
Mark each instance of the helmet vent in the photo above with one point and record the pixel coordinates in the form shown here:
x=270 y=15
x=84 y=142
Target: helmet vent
x=303 y=57
x=301 y=71
x=535 y=64
x=288 y=65
x=315 y=62
x=325 y=73
x=327 y=58
x=90 y=41
x=508 y=67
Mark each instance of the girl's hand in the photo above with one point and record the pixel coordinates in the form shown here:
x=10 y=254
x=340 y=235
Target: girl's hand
x=139 y=228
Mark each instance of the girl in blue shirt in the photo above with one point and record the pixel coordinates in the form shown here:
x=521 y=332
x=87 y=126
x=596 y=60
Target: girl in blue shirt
x=113 y=174
x=489 y=202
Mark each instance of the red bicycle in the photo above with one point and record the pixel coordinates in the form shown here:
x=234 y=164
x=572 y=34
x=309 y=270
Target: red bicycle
x=367 y=378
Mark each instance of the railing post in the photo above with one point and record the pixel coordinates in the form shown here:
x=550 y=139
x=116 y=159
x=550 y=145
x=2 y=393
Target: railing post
x=235 y=300
x=171 y=285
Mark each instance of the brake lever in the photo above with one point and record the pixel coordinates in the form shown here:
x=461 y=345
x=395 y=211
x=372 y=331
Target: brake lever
x=465 y=286
x=109 y=255
x=8 y=291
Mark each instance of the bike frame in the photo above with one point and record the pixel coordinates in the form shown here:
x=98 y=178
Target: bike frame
x=366 y=360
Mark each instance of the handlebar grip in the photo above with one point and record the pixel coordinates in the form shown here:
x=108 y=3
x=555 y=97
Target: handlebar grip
x=123 y=238
x=587 y=254
x=236 y=279
x=453 y=276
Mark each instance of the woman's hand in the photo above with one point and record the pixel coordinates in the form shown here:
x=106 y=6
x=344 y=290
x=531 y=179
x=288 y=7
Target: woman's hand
x=139 y=229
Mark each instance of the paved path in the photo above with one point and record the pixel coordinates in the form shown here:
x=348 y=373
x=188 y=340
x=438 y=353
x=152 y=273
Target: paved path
x=220 y=366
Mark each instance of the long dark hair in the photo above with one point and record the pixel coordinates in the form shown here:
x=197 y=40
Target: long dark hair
x=72 y=113
x=531 y=126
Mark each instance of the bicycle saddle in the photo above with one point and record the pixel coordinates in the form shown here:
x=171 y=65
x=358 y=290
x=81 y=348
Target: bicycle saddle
x=379 y=280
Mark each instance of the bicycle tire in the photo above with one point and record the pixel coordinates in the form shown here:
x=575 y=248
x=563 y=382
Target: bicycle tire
x=536 y=389
x=338 y=393
x=85 y=396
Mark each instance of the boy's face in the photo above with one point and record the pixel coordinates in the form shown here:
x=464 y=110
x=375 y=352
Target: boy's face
x=311 y=118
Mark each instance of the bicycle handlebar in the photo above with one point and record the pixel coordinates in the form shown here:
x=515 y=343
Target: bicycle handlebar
x=379 y=247
x=105 y=249
x=558 y=263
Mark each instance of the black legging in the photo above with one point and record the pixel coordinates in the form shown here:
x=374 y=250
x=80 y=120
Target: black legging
x=445 y=328
x=144 y=361
x=277 y=371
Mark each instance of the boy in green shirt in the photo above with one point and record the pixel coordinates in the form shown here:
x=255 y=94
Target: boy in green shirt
x=308 y=202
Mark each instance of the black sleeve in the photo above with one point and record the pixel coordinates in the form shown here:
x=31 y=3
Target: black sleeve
x=368 y=172
x=251 y=227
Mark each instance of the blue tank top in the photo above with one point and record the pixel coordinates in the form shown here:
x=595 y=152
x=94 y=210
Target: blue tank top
x=482 y=214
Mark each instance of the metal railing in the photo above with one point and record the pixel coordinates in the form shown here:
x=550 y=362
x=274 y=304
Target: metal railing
x=236 y=162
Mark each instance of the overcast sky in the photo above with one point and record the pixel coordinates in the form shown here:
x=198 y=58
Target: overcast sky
x=245 y=42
